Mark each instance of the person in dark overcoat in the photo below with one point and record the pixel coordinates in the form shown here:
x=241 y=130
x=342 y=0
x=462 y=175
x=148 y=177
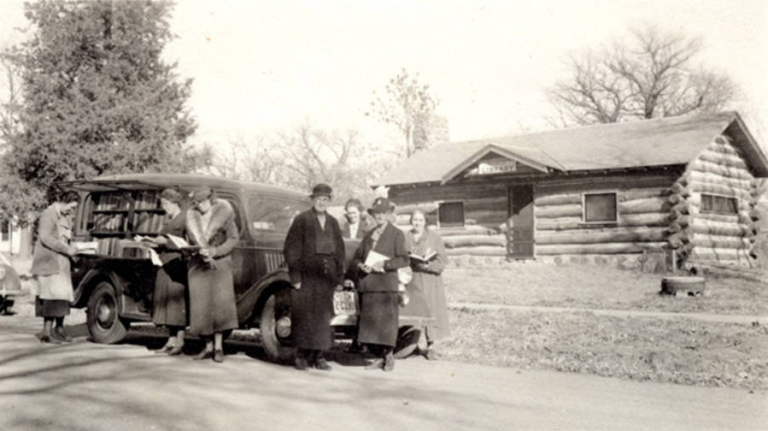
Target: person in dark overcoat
x=51 y=265
x=169 y=300
x=378 y=285
x=212 y=308
x=314 y=252
x=427 y=280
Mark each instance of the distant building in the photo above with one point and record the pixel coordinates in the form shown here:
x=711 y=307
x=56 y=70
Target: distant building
x=615 y=191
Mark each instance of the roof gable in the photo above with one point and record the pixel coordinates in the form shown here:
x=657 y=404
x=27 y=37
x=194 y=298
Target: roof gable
x=492 y=159
x=657 y=142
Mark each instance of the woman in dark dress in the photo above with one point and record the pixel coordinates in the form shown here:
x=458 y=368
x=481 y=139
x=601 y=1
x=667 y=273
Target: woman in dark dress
x=314 y=252
x=169 y=300
x=378 y=287
x=212 y=309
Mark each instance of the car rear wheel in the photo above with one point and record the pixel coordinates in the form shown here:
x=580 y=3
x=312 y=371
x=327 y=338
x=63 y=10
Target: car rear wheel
x=275 y=328
x=104 y=323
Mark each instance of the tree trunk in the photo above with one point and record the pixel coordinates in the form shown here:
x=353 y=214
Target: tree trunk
x=25 y=242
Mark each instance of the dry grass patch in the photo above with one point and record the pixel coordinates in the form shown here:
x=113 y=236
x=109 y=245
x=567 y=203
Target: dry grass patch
x=597 y=287
x=676 y=351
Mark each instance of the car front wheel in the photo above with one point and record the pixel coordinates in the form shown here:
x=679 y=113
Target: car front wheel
x=104 y=323
x=275 y=327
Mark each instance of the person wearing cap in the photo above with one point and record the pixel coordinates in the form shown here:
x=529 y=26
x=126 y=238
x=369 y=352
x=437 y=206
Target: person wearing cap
x=314 y=252
x=379 y=281
x=211 y=226
x=169 y=299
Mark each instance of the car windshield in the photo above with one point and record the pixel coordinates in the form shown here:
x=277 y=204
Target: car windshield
x=272 y=213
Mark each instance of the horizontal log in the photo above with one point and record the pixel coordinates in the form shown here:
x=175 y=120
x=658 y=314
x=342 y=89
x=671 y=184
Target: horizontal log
x=607 y=248
x=596 y=236
x=708 y=241
x=730 y=218
x=725 y=159
x=719 y=189
x=723 y=149
x=558 y=199
x=465 y=230
x=425 y=207
x=459 y=241
x=559 y=223
x=557 y=211
x=709 y=178
x=649 y=219
x=644 y=205
x=704 y=166
x=677 y=198
x=719 y=254
x=477 y=251
x=625 y=220
x=680 y=189
x=719 y=228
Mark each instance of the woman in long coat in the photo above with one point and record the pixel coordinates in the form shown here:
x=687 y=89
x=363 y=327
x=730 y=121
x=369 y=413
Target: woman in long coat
x=314 y=252
x=169 y=300
x=378 y=287
x=427 y=279
x=51 y=266
x=212 y=309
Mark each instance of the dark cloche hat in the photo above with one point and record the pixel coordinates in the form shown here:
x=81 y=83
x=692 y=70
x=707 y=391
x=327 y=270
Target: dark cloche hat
x=381 y=205
x=321 y=190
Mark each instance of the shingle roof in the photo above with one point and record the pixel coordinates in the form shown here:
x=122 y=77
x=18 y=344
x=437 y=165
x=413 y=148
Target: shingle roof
x=657 y=142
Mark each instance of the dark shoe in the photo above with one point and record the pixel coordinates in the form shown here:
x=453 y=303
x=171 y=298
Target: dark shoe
x=205 y=354
x=218 y=356
x=61 y=335
x=389 y=362
x=375 y=365
x=49 y=339
x=322 y=364
x=301 y=364
x=175 y=351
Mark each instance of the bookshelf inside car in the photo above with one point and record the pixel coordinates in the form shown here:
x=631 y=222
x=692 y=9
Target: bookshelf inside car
x=126 y=212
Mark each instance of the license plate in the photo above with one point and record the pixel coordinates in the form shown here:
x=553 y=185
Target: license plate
x=345 y=303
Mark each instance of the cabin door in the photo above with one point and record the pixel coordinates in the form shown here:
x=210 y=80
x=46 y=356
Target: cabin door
x=520 y=233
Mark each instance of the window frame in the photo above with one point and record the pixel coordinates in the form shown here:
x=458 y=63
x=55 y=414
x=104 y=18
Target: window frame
x=463 y=223
x=584 y=195
x=721 y=196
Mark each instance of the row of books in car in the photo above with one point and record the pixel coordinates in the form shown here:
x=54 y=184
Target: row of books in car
x=115 y=247
x=112 y=202
x=147 y=201
x=108 y=222
x=148 y=222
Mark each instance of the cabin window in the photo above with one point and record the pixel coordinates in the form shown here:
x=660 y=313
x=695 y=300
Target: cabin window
x=719 y=204
x=600 y=208
x=451 y=214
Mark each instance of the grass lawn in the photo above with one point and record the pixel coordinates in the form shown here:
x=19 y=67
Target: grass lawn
x=598 y=287
x=639 y=348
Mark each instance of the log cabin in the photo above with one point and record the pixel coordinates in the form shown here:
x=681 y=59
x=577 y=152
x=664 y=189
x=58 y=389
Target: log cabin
x=682 y=187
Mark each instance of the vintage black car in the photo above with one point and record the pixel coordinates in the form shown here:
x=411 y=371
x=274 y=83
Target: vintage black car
x=116 y=284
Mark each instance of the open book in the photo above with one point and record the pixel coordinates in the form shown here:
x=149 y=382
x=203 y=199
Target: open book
x=375 y=257
x=177 y=242
x=90 y=247
x=428 y=255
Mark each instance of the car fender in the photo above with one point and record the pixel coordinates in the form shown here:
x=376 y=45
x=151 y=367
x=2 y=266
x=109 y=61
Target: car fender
x=250 y=304
x=89 y=282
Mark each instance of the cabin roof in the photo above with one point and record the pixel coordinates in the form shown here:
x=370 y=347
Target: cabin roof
x=657 y=142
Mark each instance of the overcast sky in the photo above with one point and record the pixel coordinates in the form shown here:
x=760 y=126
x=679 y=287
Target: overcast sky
x=260 y=66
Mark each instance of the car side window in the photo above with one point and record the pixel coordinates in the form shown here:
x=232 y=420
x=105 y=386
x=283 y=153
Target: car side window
x=269 y=213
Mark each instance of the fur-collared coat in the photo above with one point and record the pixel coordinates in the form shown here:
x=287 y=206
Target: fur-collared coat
x=212 y=306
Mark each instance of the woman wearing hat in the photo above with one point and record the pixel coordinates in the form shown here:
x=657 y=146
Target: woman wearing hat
x=314 y=252
x=50 y=265
x=379 y=284
x=211 y=226
x=169 y=300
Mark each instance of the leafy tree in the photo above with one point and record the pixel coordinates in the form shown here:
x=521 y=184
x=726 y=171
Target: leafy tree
x=96 y=96
x=408 y=105
x=653 y=75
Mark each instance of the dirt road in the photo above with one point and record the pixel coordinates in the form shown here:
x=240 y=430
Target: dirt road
x=85 y=386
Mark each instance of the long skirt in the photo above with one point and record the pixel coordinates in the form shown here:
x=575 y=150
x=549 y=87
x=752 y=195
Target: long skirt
x=169 y=300
x=379 y=314
x=434 y=291
x=312 y=311
x=51 y=307
x=212 y=305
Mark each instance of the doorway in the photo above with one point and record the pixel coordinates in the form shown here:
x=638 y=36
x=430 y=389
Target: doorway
x=520 y=232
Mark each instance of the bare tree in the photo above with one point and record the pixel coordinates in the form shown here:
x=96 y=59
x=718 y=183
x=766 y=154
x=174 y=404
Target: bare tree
x=10 y=104
x=654 y=75
x=408 y=105
x=246 y=159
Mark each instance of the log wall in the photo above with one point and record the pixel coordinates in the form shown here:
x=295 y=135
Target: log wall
x=720 y=170
x=643 y=215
